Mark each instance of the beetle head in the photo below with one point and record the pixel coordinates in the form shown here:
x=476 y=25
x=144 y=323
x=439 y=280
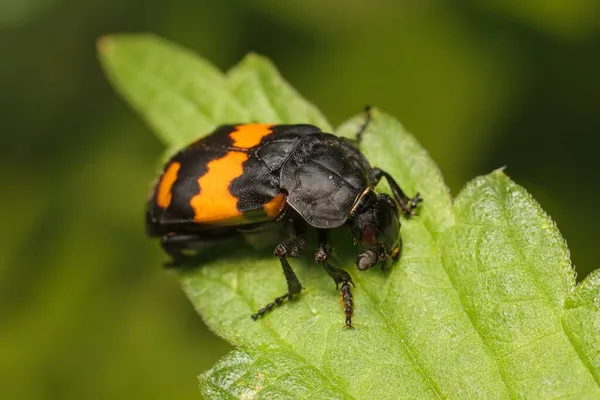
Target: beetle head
x=375 y=225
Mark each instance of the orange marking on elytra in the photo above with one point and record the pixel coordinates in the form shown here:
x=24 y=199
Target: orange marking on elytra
x=163 y=193
x=215 y=203
x=249 y=135
x=274 y=207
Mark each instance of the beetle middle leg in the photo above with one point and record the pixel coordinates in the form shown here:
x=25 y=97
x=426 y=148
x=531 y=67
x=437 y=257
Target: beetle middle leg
x=341 y=278
x=406 y=203
x=288 y=248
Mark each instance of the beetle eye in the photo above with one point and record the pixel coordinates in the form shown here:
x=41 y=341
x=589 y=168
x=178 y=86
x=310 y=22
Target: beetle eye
x=368 y=236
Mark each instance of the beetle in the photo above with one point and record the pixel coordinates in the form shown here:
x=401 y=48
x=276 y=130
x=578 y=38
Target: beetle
x=244 y=177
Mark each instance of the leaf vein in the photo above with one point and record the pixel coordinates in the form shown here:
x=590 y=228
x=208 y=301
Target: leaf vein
x=434 y=235
x=548 y=299
x=278 y=338
x=412 y=357
x=589 y=367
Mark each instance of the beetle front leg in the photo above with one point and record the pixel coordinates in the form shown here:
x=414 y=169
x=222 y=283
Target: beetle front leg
x=289 y=247
x=407 y=204
x=341 y=278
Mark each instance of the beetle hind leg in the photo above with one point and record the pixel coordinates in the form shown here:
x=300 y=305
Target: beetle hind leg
x=176 y=246
x=185 y=247
x=290 y=247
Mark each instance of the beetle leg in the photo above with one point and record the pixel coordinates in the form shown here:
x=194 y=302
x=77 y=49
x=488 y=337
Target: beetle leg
x=363 y=127
x=289 y=247
x=341 y=278
x=406 y=203
x=176 y=245
x=342 y=281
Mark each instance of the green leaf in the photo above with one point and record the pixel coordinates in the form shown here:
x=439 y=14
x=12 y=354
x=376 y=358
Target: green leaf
x=581 y=322
x=277 y=375
x=256 y=84
x=511 y=269
x=482 y=303
x=179 y=95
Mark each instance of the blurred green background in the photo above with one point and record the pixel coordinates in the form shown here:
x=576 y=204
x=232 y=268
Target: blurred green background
x=86 y=310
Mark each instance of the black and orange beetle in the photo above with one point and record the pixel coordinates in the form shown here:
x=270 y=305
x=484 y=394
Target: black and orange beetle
x=249 y=175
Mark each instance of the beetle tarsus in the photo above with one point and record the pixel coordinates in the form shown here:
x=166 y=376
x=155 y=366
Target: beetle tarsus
x=348 y=303
x=343 y=281
x=412 y=204
x=269 y=307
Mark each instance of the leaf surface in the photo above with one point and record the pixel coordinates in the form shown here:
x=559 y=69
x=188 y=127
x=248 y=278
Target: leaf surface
x=482 y=303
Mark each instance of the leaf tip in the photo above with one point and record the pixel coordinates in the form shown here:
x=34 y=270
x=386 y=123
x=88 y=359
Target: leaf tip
x=104 y=44
x=500 y=171
x=255 y=59
x=252 y=55
x=373 y=110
